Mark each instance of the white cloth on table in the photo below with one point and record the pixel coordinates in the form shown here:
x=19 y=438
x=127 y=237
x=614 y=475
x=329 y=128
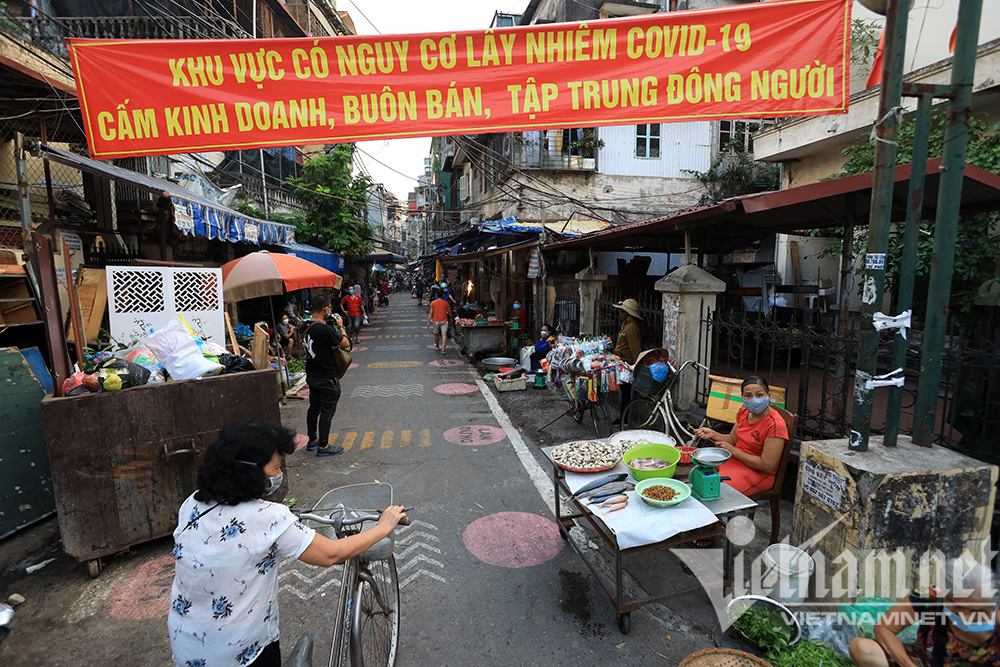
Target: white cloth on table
x=639 y=524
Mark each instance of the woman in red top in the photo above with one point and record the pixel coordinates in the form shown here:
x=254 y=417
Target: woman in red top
x=756 y=441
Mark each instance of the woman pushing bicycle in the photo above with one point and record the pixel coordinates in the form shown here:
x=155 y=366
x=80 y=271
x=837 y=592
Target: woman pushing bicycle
x=224 y=601
x=756 y=441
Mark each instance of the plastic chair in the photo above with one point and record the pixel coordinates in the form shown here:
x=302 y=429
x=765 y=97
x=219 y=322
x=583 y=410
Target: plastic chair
x=773 y=496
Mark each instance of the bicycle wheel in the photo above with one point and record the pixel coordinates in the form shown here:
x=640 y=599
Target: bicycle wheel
x=642 y=413
x=375 y=626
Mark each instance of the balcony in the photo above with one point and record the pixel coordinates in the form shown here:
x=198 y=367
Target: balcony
x=570 y=149
x=50 y=33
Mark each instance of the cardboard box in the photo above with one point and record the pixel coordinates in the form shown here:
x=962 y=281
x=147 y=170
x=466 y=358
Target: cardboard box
x=725 y=398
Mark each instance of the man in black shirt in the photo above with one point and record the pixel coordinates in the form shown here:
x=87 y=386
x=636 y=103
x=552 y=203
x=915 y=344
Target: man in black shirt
x=319 y=341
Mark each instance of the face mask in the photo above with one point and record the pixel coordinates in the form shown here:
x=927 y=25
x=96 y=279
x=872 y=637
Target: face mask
x=757 y=405
x=517 y=306
x=274 y=483
x=984 y=626
x=284 y=321
x=545 y=334
x=350 y=291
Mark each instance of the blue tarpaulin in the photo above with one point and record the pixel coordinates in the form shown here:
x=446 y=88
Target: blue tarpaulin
x=330 y=261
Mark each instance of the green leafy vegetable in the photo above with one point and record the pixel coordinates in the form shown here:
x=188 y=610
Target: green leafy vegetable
x=768 y=628
x=807 y=652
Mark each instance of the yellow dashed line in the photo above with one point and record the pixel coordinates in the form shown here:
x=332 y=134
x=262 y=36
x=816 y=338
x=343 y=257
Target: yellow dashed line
x=385 y=440
x=368 y=440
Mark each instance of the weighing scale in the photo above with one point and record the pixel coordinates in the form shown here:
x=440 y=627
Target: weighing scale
x=706 y=482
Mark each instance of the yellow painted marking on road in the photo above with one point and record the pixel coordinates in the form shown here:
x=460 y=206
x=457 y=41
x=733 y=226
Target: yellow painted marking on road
x=349 y=440
x=394 y=336
x=425 y=438
x=395 y=364
x=404 y=438
x=386 y=440
x=368 y=440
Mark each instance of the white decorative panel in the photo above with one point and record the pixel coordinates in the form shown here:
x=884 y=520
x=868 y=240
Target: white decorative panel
x=141 y=299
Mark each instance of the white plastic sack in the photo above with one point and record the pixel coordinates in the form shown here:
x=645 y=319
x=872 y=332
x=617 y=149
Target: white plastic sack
x=177 y=350
x=526 y=353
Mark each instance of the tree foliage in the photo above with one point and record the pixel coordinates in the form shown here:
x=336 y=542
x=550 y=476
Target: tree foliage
x=977 y=253
x=335 y=203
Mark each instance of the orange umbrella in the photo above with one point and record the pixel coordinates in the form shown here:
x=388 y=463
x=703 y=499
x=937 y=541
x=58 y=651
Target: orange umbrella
x=265 y=274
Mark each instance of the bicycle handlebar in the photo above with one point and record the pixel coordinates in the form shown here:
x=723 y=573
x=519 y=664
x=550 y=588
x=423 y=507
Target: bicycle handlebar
x=341 y=521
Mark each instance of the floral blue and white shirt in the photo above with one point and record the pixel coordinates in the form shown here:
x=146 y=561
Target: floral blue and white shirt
x=224 y=601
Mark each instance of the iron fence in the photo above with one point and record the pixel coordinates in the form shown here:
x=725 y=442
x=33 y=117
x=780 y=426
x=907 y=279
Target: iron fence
x=650 y=310
x=816 y=366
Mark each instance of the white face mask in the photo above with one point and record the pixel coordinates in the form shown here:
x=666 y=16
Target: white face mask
x=274 y=483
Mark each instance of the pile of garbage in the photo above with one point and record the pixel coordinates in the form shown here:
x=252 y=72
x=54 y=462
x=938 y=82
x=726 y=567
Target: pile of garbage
x=173 y=352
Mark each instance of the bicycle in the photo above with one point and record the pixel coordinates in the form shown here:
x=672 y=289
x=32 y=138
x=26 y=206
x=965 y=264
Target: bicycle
x=366 y=628
x=658 y=415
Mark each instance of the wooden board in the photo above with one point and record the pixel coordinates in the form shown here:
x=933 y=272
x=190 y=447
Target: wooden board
x=259 y=348
x=793 y=246
x=233 y=346
x=92 y=293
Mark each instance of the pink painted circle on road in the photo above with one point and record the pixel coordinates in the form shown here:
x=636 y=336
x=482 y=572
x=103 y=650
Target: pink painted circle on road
x=432 y=347
x=474 y=435
x=301 y=440
x=353 y=366
x=359 y=349
x=456 y=388
x=446 y=362
x=373 y=328
x=513 y=539
x=365 y=337
x=304 y=393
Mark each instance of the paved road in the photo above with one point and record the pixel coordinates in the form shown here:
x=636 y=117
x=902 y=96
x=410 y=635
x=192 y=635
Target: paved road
x=486 y=579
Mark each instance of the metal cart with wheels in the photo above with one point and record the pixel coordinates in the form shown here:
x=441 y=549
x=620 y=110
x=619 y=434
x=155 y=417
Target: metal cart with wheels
x=731 y=504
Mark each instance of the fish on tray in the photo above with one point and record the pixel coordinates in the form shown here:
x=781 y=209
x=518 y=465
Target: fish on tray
x=599 y=483
x=607 y=490
x=648 y=464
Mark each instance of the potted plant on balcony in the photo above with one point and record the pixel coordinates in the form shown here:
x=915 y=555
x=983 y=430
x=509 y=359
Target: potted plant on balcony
x=584 y=151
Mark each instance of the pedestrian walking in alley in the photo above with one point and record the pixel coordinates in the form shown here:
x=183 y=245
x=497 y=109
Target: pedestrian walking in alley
x=438 y=317
x=354 y=307
x=419 y=286
x=319 y=341
x=224 y=600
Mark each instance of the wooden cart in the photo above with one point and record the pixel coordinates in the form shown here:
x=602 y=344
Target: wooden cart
x=123 y=462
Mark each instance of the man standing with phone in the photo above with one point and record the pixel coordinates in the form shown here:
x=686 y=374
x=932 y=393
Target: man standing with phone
x=319 y=341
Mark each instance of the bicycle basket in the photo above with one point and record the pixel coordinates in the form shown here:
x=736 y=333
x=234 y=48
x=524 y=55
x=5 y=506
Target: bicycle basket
x=349 y=502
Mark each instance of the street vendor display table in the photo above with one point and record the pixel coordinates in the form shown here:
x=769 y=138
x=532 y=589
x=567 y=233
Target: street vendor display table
x=490 y=337
x=640 y=527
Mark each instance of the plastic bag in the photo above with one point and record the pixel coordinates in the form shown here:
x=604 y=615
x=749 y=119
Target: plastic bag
x=658 y=371
x=177 y=350
x=131 y=374
x=80 y=383
x=137 y=354
x=366 y=320
x=213 y=349
x=233 y=364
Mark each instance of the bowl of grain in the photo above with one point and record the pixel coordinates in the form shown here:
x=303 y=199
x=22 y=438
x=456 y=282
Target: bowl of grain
x=662 y=492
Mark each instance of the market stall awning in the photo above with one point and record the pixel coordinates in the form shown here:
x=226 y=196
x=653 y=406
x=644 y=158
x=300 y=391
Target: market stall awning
x=193 y=214
x=560 y=227
x=737 y=222
x=483 y=254
x=384 y=256
x=330 y=261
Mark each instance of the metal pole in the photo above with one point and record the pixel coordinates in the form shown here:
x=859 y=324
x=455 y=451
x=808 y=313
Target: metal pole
x=963 y=69
x=544 y=240
x=263 y=181
x=908 y=265
x=880 y=218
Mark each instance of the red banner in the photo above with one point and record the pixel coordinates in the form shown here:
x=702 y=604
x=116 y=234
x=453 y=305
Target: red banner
x=774 y=59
